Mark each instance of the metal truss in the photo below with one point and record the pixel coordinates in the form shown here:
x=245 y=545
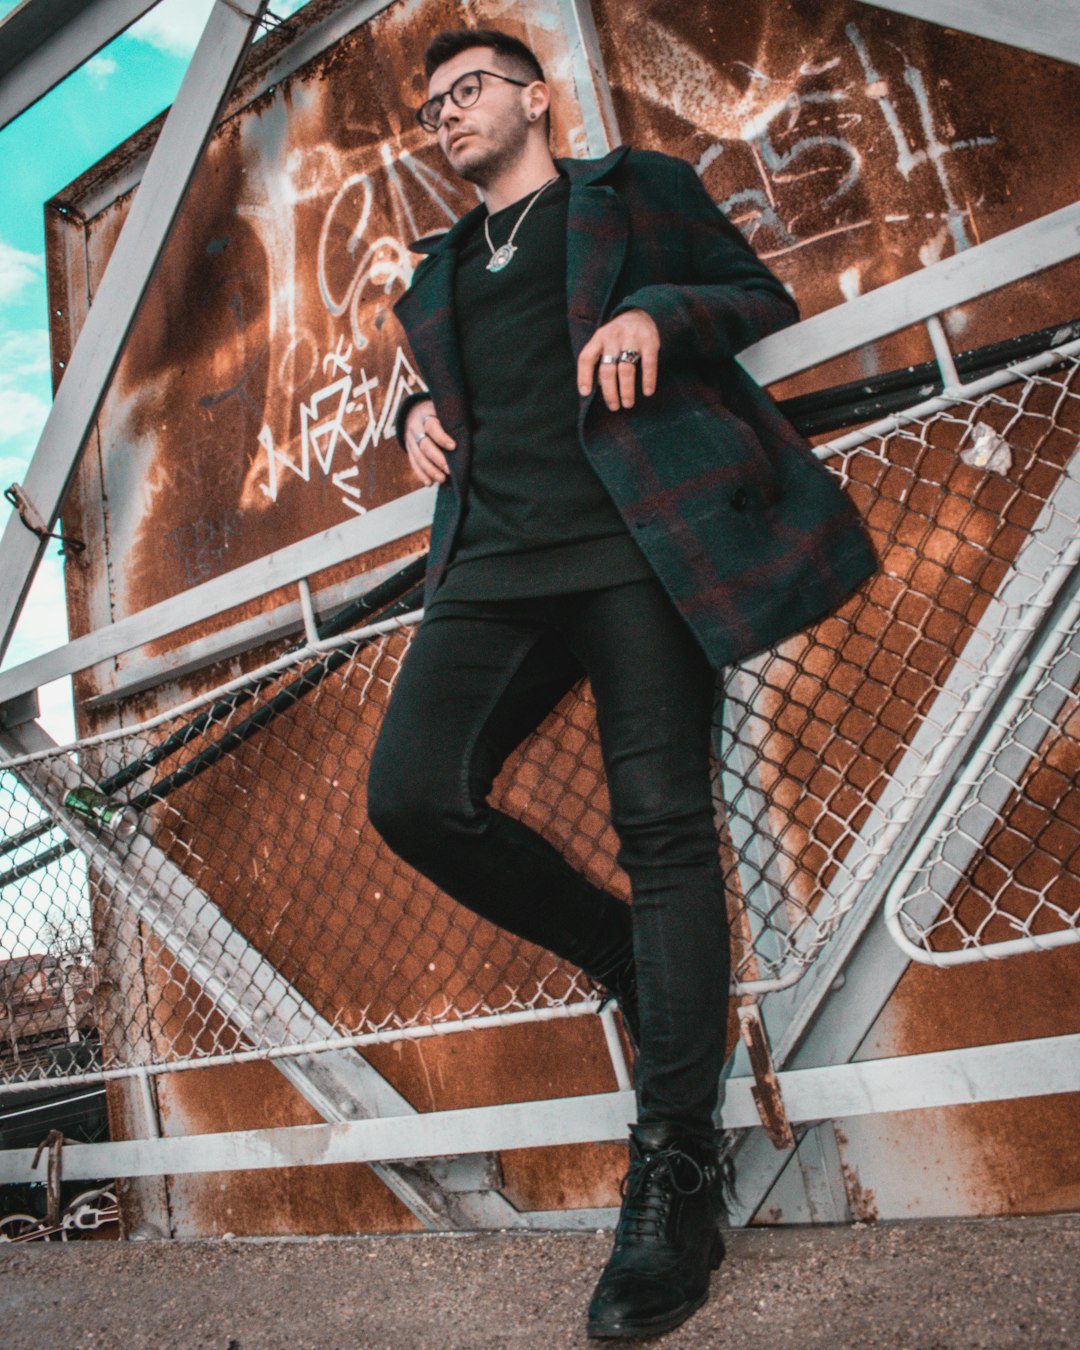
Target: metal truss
x=261 y=1004
x=816 y=1028
x=1048 y=28
x=43 y=41
x=188 y=127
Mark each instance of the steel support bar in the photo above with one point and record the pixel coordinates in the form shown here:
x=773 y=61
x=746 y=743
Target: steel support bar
x=600 y=124
x=192 y=119
x=1018 y=253
x=1034 y=1068
x=43 y=41
x=245 y=988
x=824 y=1017
x=141 y=670
x=336 y=545
x=958 y=832
x=1047 y=28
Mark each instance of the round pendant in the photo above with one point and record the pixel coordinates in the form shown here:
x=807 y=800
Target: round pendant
x=501 y=257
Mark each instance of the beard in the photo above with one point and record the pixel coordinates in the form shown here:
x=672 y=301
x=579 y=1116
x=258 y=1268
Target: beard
x=483 y=163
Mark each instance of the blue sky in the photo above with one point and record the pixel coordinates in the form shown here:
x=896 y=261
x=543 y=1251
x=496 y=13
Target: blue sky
x=101 y=104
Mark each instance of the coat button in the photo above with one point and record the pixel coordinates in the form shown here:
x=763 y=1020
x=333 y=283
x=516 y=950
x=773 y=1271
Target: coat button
x=643 y=522
x=739 y=499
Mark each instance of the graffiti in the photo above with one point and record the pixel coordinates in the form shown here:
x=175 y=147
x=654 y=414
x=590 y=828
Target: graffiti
x=804 y=132
x=933 y=151
x=373 y=269
x=200 y=547
x=340 y=417
x=337 y=403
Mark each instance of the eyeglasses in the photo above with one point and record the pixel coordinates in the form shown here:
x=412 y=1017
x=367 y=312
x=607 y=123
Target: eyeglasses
x=465 y=90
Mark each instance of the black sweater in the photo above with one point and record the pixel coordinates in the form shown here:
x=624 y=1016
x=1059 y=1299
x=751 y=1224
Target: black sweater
x=538 y=521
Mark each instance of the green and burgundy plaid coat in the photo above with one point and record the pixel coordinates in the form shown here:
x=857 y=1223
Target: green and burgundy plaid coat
x=747 y=530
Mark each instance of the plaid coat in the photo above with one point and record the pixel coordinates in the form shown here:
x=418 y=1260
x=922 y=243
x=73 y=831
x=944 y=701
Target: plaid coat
x=748 y=532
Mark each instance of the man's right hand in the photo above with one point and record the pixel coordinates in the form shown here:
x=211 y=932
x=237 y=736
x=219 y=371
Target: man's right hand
x=426 y=443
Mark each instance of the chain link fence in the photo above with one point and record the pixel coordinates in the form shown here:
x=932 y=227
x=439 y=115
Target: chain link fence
x=242 y=905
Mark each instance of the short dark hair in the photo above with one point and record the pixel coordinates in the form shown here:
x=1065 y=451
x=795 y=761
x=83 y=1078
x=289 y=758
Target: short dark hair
x=446 y=45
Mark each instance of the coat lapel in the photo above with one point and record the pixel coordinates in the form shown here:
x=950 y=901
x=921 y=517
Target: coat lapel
x=597 y=236
x=426 y=312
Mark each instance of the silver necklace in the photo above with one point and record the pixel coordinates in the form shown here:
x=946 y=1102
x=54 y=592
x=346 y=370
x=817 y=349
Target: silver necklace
x=500 y=257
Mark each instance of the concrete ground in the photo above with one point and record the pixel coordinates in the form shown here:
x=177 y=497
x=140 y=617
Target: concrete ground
x=918 y=1285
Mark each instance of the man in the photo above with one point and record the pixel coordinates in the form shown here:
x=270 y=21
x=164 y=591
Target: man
x=616 y=498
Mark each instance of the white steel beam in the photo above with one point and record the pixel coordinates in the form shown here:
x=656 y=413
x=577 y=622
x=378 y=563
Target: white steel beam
x=140 y=671
x=1018 y=253
x=600 y=124
x=958 y=831
x=1003 y=1072
x=192 y=119
x=1045 y=27
x=339 y=544
x=824 y=1018
x=246 y=989
x=43 y=41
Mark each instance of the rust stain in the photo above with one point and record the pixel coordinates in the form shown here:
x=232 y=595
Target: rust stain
x=766 y=1088
x=861 y=1198
x=853 y=147
x=583 y=1176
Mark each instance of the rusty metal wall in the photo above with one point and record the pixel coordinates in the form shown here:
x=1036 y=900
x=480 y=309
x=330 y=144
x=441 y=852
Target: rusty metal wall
x=854 y=146
x=253 y=408
x=251 y=411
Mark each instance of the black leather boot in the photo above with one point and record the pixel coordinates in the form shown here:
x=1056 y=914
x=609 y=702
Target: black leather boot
x=668 y=1237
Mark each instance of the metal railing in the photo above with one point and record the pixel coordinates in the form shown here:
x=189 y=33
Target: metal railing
x=253 y=912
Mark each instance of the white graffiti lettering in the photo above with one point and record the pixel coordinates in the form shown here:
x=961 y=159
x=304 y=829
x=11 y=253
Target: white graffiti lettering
x=340 y=416
x=780 y=160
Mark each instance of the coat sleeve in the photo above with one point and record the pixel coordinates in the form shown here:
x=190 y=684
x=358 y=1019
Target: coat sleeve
x=733 y=299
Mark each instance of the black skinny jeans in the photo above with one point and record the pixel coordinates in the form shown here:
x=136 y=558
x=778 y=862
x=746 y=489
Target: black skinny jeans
x=473 y=686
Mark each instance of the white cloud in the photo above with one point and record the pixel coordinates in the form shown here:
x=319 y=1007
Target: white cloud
x=100 y=68
x=175 y=26
x=18 y=269
x=24 y=395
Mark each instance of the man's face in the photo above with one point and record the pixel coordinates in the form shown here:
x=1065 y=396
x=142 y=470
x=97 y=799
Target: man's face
x=484 y=140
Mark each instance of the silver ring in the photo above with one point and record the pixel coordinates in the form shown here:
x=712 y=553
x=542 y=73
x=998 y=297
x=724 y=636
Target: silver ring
x=609 y=360
x=418 y=439
x=631 y=358
x=426 y=419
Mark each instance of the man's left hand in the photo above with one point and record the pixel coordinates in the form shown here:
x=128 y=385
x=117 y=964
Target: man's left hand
x=629 y=333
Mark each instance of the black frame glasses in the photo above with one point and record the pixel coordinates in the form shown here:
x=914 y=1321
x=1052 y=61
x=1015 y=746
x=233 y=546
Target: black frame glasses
x=428 y=113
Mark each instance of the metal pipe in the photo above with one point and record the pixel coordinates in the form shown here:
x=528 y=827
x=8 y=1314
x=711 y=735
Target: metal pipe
x=373 y=600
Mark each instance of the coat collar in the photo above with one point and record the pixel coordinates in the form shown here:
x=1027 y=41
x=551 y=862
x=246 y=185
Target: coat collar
x=582 y=173
x=597 y=236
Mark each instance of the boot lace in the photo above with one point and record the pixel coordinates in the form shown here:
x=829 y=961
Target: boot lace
x=648 y=1187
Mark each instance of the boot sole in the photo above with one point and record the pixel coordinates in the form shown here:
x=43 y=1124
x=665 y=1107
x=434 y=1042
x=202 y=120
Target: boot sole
x=644 y=1328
